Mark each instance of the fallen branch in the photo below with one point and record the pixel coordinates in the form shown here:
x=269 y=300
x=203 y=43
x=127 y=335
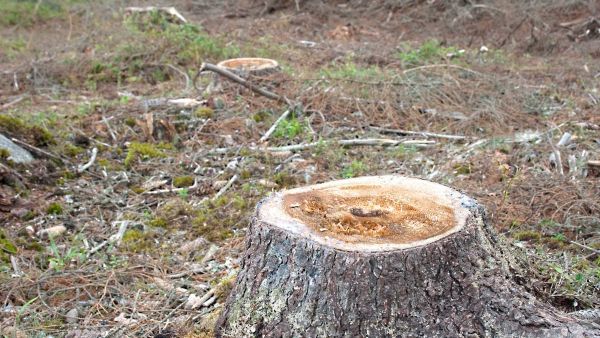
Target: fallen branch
x=441 y=65
x=37 y=150
x=13 y=102
x=84 y=167
x=116 y=238
x=592 y=163
x=188 y=81
x=420 y=133
x=274 y=126
x=597 y=252
x=164 y=191
x=226 y=187
x=235 y=78
x=110 y=130
x=352 y=142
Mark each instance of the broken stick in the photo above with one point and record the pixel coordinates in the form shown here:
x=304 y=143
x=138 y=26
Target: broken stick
x=235 y=78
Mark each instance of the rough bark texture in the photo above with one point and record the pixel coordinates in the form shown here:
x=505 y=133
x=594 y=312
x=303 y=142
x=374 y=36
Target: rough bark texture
x=459 y=286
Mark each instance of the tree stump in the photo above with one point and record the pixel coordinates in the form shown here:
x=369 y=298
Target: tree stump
x=383 y=256
x=256 y=70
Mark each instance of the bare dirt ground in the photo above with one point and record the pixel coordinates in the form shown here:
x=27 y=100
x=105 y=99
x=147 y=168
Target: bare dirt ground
x=146 y=241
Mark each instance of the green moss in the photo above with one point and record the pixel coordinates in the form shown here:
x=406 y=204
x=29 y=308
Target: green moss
x=130 y=121
x=158 y=222
x=289 y=128
x=6 y=245
x=41 y=136
x=25 y=13
x=135 y=240
x=221 y=201
x=137 y=189
x=532 y=236
x=183 y=181
x=239 y=203
x=463 y=168
x=204 y=112
x=27 y=243
x=224 y=287
x=15 y=126
x=4 y=153
x=212 y=225
x=553 y=243
x=68 y=175
x=284 y=179
x=72 y=150
x=54 y=209
x=144 y=150
x=245 y=174
x=173 y=209
x=356 y=168
x=29 y=215
x=261 y=116
x=430 y=51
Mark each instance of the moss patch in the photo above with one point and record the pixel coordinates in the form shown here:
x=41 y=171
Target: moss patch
x=183 y=181
x=54 y=209
x=135 y=240
x=143 y=150
x=532 y=236
x=7 y=247
x=18 y=128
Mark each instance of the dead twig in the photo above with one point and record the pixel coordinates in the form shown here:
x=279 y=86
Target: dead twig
x=351 y=142
x=110 y=130
x=597 y=252
x=441 y=65
x=188 y=81
x=13 y=102
x=116 y=238
x=84 y=167
x=164 y=191
x=37 y=150
x=235 y=78
x=593 y=163
x=226 y=187
x=274 y=126
x=419 y=133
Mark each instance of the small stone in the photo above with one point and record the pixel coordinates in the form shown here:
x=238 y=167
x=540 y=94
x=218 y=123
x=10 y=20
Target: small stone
x=52 y=232
x=72 y=316
x=219 y=184
x=267 y=183
x=17 y=154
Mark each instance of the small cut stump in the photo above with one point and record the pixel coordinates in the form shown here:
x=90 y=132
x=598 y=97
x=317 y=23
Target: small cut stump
x=257 y=70
x=383 y=256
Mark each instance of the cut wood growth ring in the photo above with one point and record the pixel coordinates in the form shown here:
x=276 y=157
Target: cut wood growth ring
x=254 y=66
x=383 y=256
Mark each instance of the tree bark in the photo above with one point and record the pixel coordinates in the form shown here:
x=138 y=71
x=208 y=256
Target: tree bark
x=413 y=259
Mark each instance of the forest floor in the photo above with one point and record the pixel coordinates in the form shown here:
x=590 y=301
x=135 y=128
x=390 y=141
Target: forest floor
x=146 y=240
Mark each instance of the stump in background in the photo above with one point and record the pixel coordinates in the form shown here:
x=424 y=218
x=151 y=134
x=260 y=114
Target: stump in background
x=256 y=70
x=381 y=256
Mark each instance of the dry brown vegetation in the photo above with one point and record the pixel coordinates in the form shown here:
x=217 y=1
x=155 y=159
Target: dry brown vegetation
x=76 y=76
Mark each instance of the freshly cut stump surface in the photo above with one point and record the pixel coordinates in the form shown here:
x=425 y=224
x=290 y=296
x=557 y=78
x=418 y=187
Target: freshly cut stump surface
x=257 y=70
x=382 y=256
x=250 y=65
